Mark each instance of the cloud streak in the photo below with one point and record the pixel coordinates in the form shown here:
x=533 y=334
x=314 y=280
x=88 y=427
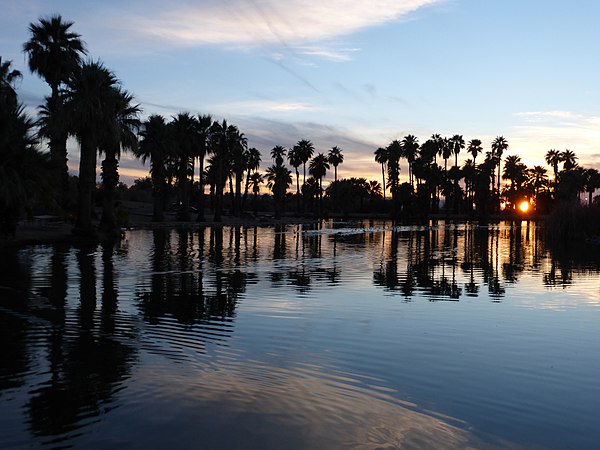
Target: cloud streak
x=260 y=23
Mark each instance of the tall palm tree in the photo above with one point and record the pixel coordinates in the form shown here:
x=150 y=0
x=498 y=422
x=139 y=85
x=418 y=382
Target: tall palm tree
x=183 y=129
x=90 y=100
x=125 y=123
x=381 y=157
x=253 y=158
x=394 y=151
x=154 y=146
x=335 y=158
x=410 y=147
x=592 y=182
x=239 y=162
x=499 y=146
x=295 y=160
x=279 y=179
x=318 y=168
x=54 y=52
x=306 y=150
x=516 y=172
x=256 y=179
x=553 y=158
x=203 y=124
x=474 y=149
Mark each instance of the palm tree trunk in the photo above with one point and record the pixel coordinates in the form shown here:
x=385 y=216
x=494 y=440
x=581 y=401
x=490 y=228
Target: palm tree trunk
x=87 y=182
x=110 y=179
x=201 y=193
x=238 y=192
x=383 y=179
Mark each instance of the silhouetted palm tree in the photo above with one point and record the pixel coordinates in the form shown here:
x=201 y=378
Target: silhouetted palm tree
x=183 y=130
x=279 y=179
x=553 y=158
x=295 y=160
x=335 y=158
x=569 y=159
x=54 y=52
x=253 y=159
x=381 y=157
x=592 y=182
x=154 y=146
x=499 y=146
x=410 y=148
x=256 y=179
x=475 y=149
x=318 y=168
x=8 y=78
x=305 y=150
x=203 y=124
x=90 y=100
x=123 y=136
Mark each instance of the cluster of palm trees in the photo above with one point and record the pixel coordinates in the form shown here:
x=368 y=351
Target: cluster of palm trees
x=476 y=186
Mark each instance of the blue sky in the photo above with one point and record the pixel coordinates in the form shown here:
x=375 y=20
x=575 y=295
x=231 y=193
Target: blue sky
x=355 y=74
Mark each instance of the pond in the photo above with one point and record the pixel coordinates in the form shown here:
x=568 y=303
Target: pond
x=338 y=335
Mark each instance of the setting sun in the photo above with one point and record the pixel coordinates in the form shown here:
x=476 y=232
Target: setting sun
x=524 y=206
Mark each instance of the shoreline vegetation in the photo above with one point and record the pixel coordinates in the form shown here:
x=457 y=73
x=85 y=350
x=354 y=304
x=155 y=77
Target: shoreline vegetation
x=203 y=172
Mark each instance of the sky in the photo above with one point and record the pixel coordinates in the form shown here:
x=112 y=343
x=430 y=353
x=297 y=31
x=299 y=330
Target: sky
x=349 y=73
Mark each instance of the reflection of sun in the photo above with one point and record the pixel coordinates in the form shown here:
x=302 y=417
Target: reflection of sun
x=524 y=206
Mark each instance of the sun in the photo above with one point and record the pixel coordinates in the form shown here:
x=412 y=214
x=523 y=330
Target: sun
x=524 y=206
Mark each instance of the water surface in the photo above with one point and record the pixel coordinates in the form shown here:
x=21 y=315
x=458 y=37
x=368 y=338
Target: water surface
x=342 y=335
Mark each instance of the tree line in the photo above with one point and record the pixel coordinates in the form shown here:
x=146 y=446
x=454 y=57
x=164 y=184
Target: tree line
x=89 y=103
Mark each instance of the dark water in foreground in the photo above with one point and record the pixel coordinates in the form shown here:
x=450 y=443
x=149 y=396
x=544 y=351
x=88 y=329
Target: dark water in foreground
x=350 y=336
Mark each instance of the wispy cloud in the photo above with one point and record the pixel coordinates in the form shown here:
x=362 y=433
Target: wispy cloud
x=291 y=23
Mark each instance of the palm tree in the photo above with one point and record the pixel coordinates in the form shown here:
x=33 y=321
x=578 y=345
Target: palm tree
x=295 y=160
x=569 y=160
x=8 y=78
x=474 y=149
x=54 y=52
x=183 y=129
x=381 y=157
x=278 y=153
x=553 y=158
x=516 y=172
x=223 y=138
x=318 y=168
x=256 y=179
x=239 y=162
x=279 y=179
x=499 y=145
x=154 y=146
x=203 y=124
x=394 y=152
x=592 y=182
x=538 y=179
x=123 y=136
x=23 y=169
x=335 y=158
x=410 y=147
x=253 y=159
x=305 y=150
x=90 y=100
